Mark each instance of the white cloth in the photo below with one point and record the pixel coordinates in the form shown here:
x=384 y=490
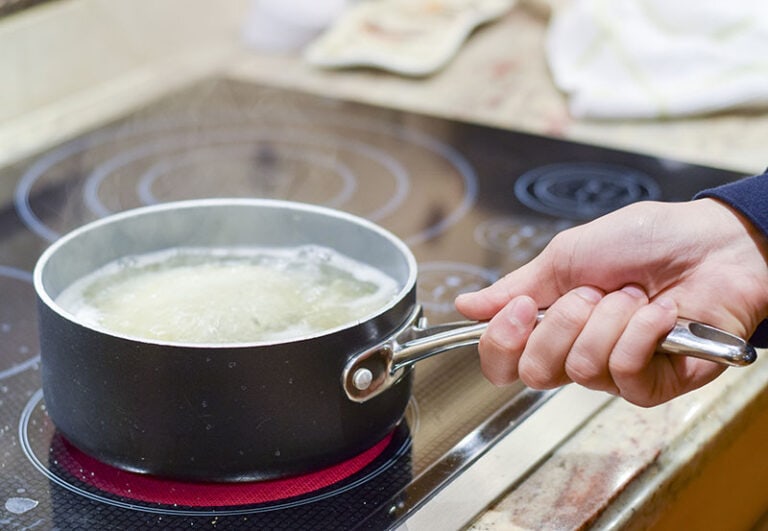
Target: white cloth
x=658 y=58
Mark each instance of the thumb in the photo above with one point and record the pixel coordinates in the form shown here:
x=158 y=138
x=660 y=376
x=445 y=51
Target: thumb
x=535 y=279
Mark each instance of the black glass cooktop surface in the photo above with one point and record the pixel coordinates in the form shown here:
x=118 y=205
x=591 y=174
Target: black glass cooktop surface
x=472 y=202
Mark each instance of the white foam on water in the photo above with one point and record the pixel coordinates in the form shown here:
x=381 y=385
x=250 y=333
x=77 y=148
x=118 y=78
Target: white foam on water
x=229 y=295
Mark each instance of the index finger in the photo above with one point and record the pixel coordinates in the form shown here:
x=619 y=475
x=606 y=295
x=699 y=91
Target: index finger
x=534 y=279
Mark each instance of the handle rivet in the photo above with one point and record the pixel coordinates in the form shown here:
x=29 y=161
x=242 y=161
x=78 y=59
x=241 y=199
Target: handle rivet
x=362 y=379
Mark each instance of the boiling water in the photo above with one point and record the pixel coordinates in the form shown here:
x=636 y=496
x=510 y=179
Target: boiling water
x=195 y=295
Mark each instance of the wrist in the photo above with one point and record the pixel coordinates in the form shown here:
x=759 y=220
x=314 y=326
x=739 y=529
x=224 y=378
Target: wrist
x=745 y=244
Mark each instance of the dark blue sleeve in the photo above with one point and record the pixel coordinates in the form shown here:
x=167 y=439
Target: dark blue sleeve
x=750 y=197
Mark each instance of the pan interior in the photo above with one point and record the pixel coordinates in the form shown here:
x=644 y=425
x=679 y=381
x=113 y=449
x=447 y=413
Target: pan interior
x=218 y=223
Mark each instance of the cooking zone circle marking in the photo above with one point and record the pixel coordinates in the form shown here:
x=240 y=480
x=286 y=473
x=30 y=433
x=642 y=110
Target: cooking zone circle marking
x=17 y=322
x=182 y=144
x=583 y=190
x=213 y=156
x=174 y=150
x=441 y=282
x=79 y=473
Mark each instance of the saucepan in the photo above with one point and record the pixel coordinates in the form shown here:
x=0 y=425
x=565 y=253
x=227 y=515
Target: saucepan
x=257 y=410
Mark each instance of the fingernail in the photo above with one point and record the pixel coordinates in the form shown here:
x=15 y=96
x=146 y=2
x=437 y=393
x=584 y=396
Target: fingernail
x=634 y=291
x=589 y=294
x=521 y=312
x=466 y=295
x=666 y=302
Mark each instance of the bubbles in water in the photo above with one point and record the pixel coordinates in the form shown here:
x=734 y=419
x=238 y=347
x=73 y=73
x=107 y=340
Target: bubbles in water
x=229 y=295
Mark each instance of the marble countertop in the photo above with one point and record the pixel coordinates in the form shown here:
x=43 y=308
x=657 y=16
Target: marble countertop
x=619 y=468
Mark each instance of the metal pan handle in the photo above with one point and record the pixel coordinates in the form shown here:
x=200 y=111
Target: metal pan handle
x=372 y=371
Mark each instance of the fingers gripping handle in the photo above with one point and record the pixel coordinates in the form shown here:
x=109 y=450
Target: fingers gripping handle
x=699 y=340
x=374 y=370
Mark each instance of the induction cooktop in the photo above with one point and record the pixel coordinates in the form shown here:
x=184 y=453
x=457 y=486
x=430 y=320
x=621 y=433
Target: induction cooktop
x=471 y=201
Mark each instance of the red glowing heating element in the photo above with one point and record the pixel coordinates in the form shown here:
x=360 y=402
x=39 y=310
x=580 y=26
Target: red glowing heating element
x=164 y=491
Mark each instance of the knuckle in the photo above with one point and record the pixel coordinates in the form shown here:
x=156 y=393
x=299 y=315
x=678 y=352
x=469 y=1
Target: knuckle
x=566 y=318
x=490 y=346
x=643 y=400
x=562 y=240
x=535 y=376
x=497 y=379
x=498 y=365
x=624 y=365
x=645 y=321
x=582 y=369
x=573 y=309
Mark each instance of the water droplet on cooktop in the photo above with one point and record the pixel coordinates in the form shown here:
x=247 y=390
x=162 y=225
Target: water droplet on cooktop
x=20 y=505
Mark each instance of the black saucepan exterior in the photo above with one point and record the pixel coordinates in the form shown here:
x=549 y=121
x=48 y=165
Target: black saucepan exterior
x=218 y=412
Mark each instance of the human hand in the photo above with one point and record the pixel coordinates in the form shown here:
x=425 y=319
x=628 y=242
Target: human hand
x=614 y=288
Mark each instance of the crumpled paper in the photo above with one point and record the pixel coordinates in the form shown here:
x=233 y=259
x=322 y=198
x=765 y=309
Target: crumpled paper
x=660 y=58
